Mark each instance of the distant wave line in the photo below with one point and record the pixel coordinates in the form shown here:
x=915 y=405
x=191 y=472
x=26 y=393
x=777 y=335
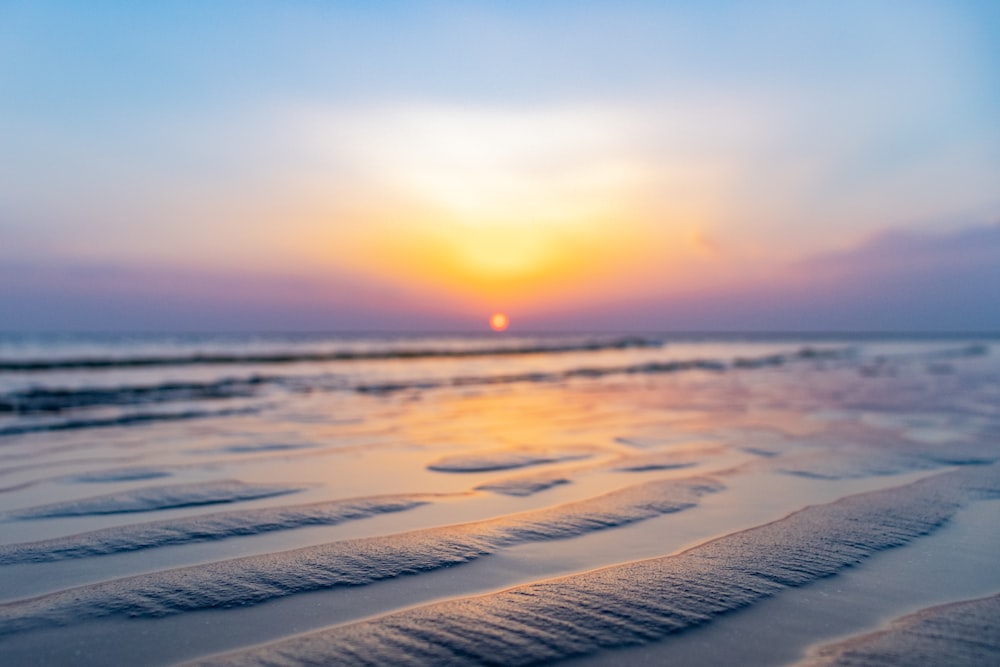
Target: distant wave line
x=46 y=399
x=85 y=363
x=121 y=420
x=53 y=400
x=714 y=365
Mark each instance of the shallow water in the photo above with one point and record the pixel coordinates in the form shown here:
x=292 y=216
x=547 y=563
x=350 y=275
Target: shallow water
x=309 y=482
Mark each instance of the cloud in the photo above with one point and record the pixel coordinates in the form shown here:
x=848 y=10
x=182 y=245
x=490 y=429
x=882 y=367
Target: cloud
x=894 y=281
x=901 y=280
x=101 y=297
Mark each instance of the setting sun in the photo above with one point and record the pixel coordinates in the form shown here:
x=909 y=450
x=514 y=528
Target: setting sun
x=499 y=322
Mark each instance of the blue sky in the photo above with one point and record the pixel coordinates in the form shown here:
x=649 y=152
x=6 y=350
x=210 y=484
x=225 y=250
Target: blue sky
x=311 y=165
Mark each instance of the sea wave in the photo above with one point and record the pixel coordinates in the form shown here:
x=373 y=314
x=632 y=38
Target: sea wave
x=54 y=401
x=209 y=359
x=651 y=367
x=130 y=419
x=57 y=399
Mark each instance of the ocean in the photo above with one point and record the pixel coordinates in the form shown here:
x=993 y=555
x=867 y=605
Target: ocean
x=494 y=499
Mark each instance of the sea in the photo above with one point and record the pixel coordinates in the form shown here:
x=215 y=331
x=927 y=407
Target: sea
x=499 y=498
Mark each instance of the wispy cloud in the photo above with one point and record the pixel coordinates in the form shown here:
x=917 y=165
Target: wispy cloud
x=897 y=280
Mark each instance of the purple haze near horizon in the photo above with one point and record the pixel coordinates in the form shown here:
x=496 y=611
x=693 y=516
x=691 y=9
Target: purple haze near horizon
x=897 y=282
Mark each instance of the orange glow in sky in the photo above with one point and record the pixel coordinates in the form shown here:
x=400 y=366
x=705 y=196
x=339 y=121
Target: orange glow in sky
x=499 y=322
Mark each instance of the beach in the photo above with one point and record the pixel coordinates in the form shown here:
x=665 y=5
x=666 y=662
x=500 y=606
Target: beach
x=503 y=499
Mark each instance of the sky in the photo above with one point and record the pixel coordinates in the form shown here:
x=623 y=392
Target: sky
x=417 y=166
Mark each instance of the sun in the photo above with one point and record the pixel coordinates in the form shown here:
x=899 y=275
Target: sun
x=499 y=322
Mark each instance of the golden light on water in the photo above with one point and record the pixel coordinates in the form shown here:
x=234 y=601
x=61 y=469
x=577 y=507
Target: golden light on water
x=499 y=322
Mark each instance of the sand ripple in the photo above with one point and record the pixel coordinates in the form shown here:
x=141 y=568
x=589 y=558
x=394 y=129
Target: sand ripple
x=203 y=528
x=961 y=634
x=640 y=602
x=157 y=498
x=256 y=579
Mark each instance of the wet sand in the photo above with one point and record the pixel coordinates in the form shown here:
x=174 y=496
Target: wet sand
x=761 y=505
